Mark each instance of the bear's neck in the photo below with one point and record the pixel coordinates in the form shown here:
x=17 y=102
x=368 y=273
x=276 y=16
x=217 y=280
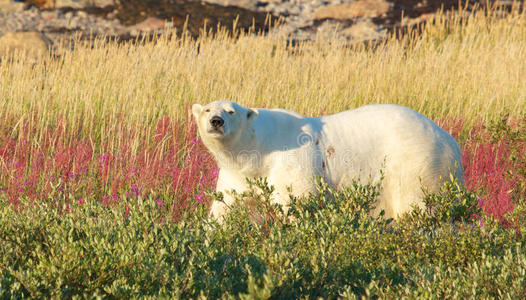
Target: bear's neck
x=243 y=153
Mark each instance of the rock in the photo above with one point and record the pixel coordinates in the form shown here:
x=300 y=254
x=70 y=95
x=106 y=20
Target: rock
x=419 y=20
x=102 y=3
x=9 y=5
x=82 y=14
x=80 y=4
x=41 y=3
x=248 y=4
x=48 y=15
x=34 y=44
x=148 y=25
x=329 y=30
x=191 y=15
x=350 y=10
x=364 y=30
x=350 y=20
x=74 y=4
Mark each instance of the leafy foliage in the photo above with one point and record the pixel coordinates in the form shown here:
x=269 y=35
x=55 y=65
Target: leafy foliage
x=102 y=178
x=326 y=245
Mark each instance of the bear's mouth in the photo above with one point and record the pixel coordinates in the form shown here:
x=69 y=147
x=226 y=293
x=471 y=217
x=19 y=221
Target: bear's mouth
x=217 y=132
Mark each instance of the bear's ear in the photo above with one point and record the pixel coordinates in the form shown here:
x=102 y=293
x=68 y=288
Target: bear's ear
x=196 y=110
x=252 y=115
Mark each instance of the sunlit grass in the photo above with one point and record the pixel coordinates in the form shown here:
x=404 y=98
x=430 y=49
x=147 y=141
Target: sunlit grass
x=129 y=102
x=471 y=69
x=98 y=147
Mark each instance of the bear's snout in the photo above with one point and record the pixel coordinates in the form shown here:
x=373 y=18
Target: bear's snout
x=216 y=122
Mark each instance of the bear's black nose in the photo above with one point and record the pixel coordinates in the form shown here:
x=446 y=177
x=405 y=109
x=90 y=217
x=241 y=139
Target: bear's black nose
x=217 y=122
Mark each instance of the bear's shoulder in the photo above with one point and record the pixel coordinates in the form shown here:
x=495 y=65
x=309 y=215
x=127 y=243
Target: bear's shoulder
x=278 y=120
x=278 y=113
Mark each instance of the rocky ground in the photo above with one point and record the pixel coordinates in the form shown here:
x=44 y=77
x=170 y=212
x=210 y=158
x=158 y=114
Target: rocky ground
x=348 y=20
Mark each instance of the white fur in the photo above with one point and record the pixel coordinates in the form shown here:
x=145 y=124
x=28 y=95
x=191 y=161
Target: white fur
x=290 y=150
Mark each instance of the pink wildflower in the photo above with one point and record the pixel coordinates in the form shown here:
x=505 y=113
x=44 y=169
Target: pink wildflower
x=199 y=198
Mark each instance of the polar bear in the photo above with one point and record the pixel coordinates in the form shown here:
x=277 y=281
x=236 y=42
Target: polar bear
x=290 y=150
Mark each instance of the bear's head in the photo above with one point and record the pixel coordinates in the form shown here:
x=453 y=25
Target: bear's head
x=223 y=121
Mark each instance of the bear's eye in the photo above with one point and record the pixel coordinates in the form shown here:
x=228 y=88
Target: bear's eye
x=231 y=112
x=207 y=110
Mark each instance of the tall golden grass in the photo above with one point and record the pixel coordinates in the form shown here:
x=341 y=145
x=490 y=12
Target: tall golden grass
x=472 y=67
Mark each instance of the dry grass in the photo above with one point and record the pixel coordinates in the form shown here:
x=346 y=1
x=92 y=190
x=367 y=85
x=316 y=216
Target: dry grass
x=108 y=124
x=468 y=68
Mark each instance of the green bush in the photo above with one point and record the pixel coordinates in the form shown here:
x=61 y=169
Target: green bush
x=326 y=245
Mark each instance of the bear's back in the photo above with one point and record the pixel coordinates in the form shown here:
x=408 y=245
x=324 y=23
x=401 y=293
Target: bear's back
x=383 y=125
x=404 y=144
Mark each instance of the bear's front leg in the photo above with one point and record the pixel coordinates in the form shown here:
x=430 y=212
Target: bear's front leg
x=297 y=183
x=219 y=208
x=227 y=181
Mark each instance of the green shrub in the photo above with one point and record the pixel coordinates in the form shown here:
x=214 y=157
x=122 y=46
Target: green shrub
x=326 y=245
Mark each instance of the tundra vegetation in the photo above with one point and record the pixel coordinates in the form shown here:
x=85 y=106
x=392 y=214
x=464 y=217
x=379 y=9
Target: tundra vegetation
x=104 y=185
